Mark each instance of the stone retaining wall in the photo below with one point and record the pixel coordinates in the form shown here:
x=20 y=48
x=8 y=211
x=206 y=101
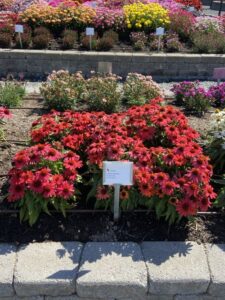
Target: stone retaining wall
x=112 y=271
x=37 y=64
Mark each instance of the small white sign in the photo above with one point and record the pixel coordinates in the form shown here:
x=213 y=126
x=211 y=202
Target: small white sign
x=117 y=172
x=19 y=28
x=160 y=31
x=90 y=31
x=191 y=8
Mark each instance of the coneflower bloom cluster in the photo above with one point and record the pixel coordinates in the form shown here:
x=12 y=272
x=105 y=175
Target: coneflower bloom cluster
x=169 y=165
x=44 y=171
x=4 y=114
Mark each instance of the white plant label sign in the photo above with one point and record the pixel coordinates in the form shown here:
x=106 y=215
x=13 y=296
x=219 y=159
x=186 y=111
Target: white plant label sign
x=90 y=31
x=191 y=8
x=19 y=28
x=160 y=31
x=117 y=172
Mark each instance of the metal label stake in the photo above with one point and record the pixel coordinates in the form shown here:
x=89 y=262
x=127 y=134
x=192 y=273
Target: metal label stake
x=116 y=205
x=21 y=44
x=90 y=32
x=159 y=32
x=159 y=42
x=90 y=41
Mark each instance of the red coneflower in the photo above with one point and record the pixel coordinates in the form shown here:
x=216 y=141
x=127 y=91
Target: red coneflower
x=102 y=193
x=36 y=185
x=16 y=192
x=185 y=208
x=48 y=189
x=66 y=190
x=53 y=155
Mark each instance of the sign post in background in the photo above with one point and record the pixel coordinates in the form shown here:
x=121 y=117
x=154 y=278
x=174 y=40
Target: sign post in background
x=19 y=30
x=117 y=173
x=159 y=32
x=90 y=32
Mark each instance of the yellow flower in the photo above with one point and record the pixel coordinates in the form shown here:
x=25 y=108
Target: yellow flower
x=150 y=15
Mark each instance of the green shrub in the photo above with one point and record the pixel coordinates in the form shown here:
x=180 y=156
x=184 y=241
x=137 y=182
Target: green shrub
x=62 y=90
x=105 y=44
x=5 y=40
x=154 y=43
x=85 y=43
x=103 y=93
x=215 y=148
x=26 y=40
x=112 y=35
x=40 y=42
x=212 y=42
x=42 y=37
x=172 y=43
x=199 y=103
x=69 y=38
x=138 y=46
x=138 y=36
x=42 y=31
x=11 y=94
x=68 y=42
x=139 y=89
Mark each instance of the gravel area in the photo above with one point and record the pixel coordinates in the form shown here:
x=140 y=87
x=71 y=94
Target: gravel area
x=34 y=87
x=211 y=12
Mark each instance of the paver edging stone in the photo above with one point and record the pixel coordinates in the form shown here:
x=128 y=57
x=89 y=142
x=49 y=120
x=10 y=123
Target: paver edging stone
x=54 y=268
x=120 y=287
x=7 y=263
x=112 y=270
x=215 y=252
x=172 y=271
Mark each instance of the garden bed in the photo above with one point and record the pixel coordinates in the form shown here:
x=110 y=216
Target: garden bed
x=207 y=228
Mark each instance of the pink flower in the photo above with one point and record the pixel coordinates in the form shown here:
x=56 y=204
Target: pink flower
x=5 y=113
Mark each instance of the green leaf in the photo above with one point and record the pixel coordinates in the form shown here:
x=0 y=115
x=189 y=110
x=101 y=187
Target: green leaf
x=160 y=207
x=23 y=212
x=95 y=183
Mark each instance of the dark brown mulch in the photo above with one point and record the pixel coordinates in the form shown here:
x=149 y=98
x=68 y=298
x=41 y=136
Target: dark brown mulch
x=100 y=227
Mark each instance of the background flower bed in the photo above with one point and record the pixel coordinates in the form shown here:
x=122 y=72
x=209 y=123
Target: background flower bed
x=184 y=31
x=98 y=93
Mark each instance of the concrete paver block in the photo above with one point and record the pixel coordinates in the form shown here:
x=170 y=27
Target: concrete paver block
x=47 y=268
x=7 y=265
x=112 y=270
x=216 y=259
x=176 y=267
